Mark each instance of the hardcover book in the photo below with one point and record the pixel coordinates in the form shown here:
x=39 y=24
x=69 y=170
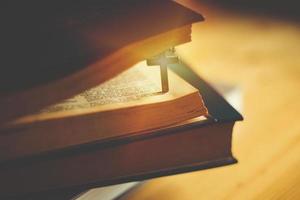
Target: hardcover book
x=85 y=110
x=198 y=143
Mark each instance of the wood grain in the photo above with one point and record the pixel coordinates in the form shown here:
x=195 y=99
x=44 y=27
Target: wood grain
x=261 y=56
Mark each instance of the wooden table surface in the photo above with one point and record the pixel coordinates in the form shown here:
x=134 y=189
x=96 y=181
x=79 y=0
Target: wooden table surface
x=262 y=57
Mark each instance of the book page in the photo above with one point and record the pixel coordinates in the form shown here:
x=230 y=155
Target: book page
x=137 y=82
x=138 y=86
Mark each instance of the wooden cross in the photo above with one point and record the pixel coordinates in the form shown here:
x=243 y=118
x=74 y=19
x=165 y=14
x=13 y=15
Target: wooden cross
x=163 y=60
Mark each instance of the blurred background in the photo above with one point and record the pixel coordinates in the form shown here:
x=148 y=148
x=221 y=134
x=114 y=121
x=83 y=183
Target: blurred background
x=251 y=49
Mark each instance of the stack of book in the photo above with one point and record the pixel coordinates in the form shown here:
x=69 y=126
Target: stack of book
x=85 y=110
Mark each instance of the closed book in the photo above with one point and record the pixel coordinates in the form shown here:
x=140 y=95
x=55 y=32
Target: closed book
x=55 y=50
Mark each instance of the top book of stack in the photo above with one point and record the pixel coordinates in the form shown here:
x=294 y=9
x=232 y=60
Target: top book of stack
x=55 y=50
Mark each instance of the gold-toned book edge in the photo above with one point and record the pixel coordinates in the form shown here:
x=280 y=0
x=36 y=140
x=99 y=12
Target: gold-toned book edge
x=129 y=103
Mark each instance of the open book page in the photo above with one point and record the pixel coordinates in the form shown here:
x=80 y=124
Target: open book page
x=138 y=86
x=137 y=82
x=108 y=192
